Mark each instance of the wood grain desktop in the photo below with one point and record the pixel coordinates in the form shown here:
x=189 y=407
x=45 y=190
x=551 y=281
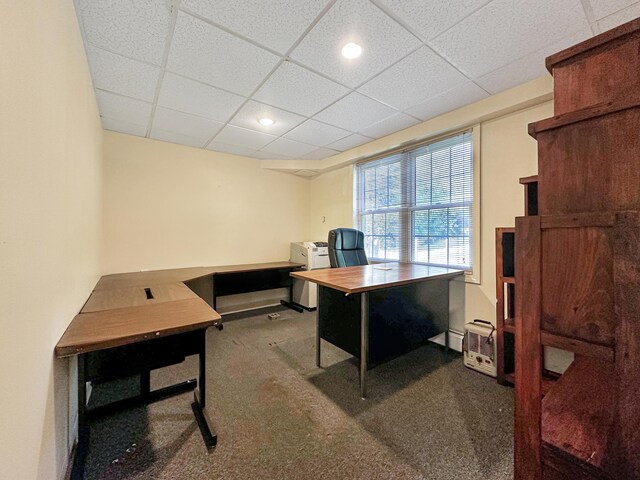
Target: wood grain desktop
x=131 y=307
x=369 y=277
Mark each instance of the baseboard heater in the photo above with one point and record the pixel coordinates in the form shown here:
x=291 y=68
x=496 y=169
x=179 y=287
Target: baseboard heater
x=455 y=340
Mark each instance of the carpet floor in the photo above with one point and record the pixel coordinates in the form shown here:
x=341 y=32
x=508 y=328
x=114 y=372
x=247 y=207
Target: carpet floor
x=278 y=416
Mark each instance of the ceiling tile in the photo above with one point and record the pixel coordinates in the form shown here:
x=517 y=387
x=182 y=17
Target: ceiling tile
x=320 y=154
x=269 y=156
x=430 y=17
x=603 y=8
x=504 y=31
x=206 y=53
x=250 y=113
x=392 y=124
x=234 y=149
x=290 y=148
x=121 y=75
x=124 y=127
x=450 y=100
x=297 y=89
x=355 y=112
x=189 y=96
x=421 y=75
x=316 y=133
x=198 y=130
x=351 y=141
x=175 y=137
x=276 y=24
x=382 y=39
x=137 y=29
x=620 y=17
x=123 y=109
x=529 y=67
x=243 y=137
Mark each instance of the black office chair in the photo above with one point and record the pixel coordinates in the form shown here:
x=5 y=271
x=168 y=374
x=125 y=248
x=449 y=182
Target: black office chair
x=346 y=248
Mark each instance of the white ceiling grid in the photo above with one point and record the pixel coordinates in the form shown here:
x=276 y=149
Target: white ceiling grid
x=202 y=73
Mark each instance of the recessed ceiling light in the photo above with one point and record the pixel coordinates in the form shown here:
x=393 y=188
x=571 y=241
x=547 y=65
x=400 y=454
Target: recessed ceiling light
x=351 y=50
x=266 y=121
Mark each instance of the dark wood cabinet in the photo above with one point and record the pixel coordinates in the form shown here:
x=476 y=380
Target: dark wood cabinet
x=577 y=263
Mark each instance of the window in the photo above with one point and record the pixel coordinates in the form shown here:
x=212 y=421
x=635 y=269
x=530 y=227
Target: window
x=418 y=205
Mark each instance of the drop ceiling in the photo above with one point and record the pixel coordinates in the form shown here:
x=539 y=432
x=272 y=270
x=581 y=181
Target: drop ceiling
x=201 y=72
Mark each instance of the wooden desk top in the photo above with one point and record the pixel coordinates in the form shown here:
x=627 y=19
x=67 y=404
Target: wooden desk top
x=157 y=277
x=119 y=310
x=371 y=277
x=136 y=296
x=121 y=326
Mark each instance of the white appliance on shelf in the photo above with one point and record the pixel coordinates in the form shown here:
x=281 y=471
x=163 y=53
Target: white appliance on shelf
x=313 y=255
x=479 y=347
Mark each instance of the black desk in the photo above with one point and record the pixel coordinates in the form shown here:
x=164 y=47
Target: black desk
x=378 y=312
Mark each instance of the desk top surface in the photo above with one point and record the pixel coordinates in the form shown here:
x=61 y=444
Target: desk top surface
x=374 y=277
x=127 y=308
x=174 y=275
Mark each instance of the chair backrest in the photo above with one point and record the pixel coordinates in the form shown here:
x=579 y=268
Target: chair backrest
x=346 y=248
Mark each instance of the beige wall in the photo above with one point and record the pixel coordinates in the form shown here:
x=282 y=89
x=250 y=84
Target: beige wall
x=168 y=205
x=50 y=220
x=331 y=202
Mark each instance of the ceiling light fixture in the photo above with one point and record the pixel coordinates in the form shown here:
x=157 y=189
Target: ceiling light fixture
x=351 y=50
x=266 y=121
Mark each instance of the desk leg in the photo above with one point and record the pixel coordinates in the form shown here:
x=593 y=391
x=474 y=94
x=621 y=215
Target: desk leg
x=202 y=380
x=199 y=397
x=145 y=385
x=364 y=342
x=82 y=449
x=318 y=327
x=290 y=303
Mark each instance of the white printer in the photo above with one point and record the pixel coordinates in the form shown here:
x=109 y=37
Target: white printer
x=313 y=255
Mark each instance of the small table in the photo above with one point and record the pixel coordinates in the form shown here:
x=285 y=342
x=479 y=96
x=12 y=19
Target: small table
x=378 y=312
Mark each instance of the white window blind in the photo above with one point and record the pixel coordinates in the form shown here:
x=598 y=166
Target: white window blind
x=417 y=205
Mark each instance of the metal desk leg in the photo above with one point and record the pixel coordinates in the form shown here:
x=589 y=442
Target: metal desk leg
x=318 y=326
x=199 y=397
x=364 y=342
x=145 y=385
x=202 y=378
x=82 y=449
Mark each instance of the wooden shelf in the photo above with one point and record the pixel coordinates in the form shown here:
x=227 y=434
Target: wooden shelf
x=509 y=280
x=531 y=179
x=577 y=413
x=510 y=377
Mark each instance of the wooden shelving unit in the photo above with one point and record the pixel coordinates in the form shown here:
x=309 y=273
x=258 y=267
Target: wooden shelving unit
x=505 y=288
x=577 y=265
x=505 y=305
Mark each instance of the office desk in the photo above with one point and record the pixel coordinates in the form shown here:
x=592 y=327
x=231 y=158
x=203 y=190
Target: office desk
x=137 y=322
x=377 y=314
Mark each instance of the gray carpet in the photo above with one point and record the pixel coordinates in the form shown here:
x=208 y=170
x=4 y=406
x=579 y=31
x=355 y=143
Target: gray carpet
x=277 y=416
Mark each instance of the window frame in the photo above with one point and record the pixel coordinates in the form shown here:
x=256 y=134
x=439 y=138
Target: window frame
x=408 y=208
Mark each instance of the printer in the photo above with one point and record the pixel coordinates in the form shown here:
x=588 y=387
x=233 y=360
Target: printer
x=313 y=255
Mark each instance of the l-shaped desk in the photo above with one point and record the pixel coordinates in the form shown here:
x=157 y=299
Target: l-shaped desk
x=133 y=323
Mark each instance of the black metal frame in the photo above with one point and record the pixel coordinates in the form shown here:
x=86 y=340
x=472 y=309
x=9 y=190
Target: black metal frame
x=140 y=358
x=233 y=283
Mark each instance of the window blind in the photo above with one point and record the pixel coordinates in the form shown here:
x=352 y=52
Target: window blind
x=416 y=205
